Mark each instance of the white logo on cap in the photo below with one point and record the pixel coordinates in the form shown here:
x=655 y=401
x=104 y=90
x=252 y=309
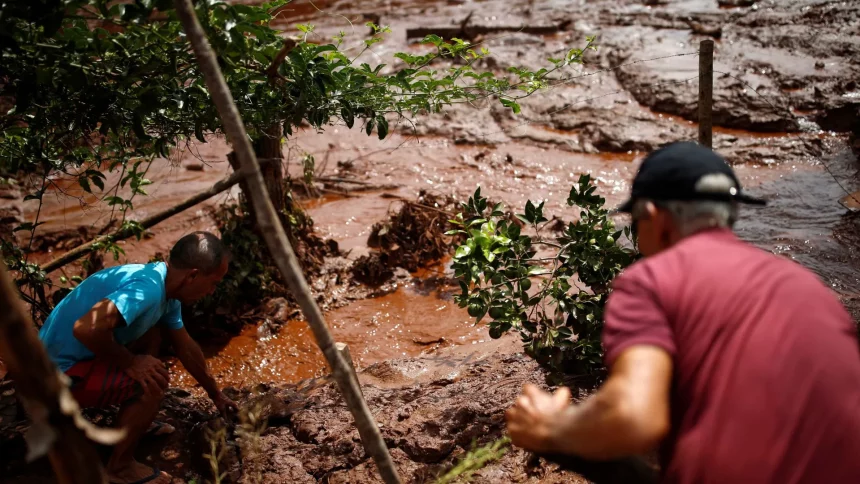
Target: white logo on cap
x=716 y=183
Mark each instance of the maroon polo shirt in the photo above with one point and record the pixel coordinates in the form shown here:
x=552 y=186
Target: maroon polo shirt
x=766 y=366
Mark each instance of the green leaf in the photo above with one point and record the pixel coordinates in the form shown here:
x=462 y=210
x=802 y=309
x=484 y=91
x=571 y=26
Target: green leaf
x=348 y=118
x=97 y=181
x=537 y=271
x=381 y=126
x=462 y=251
x=137 y=127
x=85 y=184
x=198 y=131
x=368 y=128
x=511 y=104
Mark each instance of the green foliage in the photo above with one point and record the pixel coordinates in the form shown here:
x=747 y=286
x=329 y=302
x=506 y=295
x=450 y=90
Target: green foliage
x=249 y=278
x=560 y=320
x=474 y=460
x=100 y=86
x=29 y=274
x=252 y=276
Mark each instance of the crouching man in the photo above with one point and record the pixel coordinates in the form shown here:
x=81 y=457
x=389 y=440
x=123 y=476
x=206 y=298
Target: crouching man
x=742 y=366
x=105 y=335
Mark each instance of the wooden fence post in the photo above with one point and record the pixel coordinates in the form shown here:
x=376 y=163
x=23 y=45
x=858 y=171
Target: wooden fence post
x=278 y=244
x=706 y=92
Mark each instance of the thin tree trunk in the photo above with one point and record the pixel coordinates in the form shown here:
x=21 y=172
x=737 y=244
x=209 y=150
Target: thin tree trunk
x=269 y=146
x=71 y=454
x=276 y=240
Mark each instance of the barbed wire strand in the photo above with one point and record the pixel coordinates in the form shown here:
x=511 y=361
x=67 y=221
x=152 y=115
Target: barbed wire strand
x=792 y=115
x=581 y=101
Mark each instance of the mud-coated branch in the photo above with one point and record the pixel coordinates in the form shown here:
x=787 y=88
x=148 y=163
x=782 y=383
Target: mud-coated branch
x=276 y=239
x=289 y=45
x=38 y=385
x=121 y=234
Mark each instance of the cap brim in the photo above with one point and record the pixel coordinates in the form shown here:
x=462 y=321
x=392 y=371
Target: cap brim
x=743 y=198
x=626 y=207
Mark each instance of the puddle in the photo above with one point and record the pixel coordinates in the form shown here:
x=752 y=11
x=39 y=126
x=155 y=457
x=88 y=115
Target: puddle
x=408 y=322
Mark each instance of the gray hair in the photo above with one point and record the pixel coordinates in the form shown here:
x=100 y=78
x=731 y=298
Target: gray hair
x=198 y=250
x=697 y=215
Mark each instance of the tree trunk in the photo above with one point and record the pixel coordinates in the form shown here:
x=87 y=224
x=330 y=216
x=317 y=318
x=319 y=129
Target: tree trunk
x=276 y=240
x=49 y=405
x=269 y=146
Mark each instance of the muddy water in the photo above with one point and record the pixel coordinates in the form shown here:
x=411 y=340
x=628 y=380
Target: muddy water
x=535 y=156
x=413 y=320
x=798 y=223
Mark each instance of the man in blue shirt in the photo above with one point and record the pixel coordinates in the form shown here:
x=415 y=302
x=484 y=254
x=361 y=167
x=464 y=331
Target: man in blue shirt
x=105 y=335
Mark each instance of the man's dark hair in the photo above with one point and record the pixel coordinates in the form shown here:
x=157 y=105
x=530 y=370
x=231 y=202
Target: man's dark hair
x=198 y=250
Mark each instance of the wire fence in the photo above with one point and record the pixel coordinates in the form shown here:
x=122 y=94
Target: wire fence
x=565 y=81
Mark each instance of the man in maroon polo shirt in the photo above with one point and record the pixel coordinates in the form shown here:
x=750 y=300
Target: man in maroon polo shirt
x=741 y=365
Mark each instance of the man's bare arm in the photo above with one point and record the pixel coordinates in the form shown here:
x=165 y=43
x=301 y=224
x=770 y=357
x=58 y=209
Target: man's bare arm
x=628 y=415
x=95 y=331
x=192 y=358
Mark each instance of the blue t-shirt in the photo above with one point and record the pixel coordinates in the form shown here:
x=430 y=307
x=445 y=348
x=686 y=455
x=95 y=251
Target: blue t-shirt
x=138 y=292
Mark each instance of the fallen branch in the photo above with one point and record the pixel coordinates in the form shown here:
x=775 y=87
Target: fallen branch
x=289 y=45
x=341 y=180
x=336 y=192
x=471 y=32
x=370 y=188
x=57 y=428
x=82 y=250
x=279 y=245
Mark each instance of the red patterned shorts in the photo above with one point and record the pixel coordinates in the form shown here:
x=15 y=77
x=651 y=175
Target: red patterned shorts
x=98 y=384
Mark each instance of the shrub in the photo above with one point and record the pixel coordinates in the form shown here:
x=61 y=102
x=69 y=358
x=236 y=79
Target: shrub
x=560 y=321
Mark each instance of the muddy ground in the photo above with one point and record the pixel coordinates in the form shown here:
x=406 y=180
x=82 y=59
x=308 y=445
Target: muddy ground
x=786 y=104
x=430 y=411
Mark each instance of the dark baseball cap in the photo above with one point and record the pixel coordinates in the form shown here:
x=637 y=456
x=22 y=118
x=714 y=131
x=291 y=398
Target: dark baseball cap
x=674 y=173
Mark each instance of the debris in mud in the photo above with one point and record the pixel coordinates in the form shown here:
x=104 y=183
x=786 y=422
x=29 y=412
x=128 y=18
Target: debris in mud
x=61 y=240
x=736 y=3
x=556 y=225
x=411 y=238
x=310 y=436
x=715 y=31
x=372 y=269
x=253 y=276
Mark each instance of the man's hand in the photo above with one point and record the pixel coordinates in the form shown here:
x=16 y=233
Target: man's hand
x=150 y=373
x=535 y=416
x=224 y=405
